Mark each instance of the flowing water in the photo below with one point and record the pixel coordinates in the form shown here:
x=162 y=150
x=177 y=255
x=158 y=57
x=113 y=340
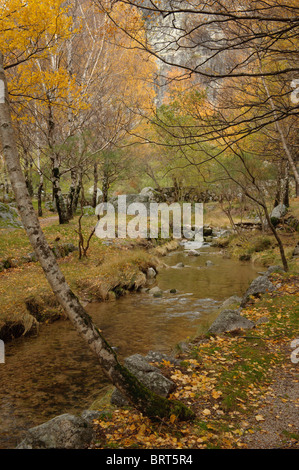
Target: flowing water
x=55 y=373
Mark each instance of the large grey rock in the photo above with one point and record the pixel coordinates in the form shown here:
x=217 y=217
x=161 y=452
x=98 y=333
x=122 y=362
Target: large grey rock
x=151 y=273
x=230 y=320
x=193 y=253
x=279 y=211
x=260 y=285
x=156 y=356
x=274 y=269
x=62 y=432
x=155 y=290
x=151 y=193
x=9 y=216
x=233 y=300
x=149 y=375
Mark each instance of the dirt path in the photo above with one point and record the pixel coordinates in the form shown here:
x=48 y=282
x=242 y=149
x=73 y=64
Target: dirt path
x=48 y=220
x=280 y=410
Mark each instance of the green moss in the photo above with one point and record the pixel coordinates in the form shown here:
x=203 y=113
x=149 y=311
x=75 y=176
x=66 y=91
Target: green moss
x=149 y=403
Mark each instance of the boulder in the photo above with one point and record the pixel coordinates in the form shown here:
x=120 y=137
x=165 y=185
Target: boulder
x=231 y=301
x=193 y=253
x=179 y=265
x=62 y=432
x=209 y=263
x=149 y=375
x=279 y=212
x=150 y=274
x=151 y=193
x=156 y=356
x=260 y=285
x=155 y=290
x=230 y=320
x=274 y=269
x=9 y=216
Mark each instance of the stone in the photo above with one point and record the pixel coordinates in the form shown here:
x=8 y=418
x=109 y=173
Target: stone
x=260 y=285
x=150 y=193
x=179 y=265
x=158 y=294
x=156 y=356
x=230 y=320
x=155 y=290
x=209 y=263
x=9 y=216
x=279 y=212
x=274 y=269
x=193 y=253
x=151 y=273
x=149 y=375
x=233 y=300
x=62 y=432
x=173 y=291
x=90 y=415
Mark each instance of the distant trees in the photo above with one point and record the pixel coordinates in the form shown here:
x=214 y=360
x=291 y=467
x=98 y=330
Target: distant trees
x=74 y=103
x=234 y=117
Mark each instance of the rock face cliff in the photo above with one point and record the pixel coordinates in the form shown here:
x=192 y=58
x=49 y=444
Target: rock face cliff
x=186 y=40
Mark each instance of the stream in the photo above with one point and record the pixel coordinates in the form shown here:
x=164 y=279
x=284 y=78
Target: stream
x=54 y=373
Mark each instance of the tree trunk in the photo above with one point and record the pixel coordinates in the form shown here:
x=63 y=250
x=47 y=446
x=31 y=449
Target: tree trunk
x=71 y=194
x=147 y=402
x=77 y=192
x=39 y=196
x=58 y=197
x=28 y=175
x=95 y=185
x=105 y=187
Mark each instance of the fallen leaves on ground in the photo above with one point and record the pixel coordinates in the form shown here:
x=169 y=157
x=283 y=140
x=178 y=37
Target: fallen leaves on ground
x=222 y=379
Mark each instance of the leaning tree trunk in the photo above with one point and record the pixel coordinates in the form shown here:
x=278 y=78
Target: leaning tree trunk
x=144 y=400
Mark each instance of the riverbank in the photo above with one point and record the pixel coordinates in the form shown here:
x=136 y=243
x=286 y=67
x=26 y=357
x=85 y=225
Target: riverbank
x=112 y=269
x=242 y=386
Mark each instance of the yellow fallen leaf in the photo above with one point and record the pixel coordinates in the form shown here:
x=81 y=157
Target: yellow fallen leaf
x=259 y=418
x=172 y=418
x=216 y=394
x=206 y=412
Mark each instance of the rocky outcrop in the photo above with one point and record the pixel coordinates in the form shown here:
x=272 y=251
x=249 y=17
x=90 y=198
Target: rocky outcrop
x=260 y=285
x=62 y=432
x=279 y=212
x=9 y=216
x=228 y=321
x=149 y=375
